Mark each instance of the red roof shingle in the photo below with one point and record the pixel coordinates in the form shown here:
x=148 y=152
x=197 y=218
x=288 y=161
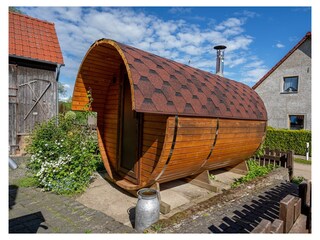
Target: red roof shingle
x=33 y=38
x=168 y=87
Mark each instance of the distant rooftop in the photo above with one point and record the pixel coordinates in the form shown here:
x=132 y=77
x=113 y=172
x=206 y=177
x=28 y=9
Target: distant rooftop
x=34 y=39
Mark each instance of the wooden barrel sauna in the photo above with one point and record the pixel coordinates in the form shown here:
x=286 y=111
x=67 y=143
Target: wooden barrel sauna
x=160 y=120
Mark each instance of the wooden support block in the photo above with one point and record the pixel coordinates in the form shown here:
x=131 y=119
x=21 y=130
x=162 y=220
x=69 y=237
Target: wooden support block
x=263 y=227
x=277 y=226
x=164 y=207
x=240 y=168
x=202 y=180
x=286 y=213
x=297 y=208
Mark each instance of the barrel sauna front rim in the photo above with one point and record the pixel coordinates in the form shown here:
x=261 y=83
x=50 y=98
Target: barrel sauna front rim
x=159 y=120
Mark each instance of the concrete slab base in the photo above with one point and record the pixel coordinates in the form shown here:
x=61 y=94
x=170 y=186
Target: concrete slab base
x=119 y=204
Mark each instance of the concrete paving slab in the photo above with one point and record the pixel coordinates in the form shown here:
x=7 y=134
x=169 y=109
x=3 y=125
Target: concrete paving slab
x=107 y=198
x=115 y=202
x=225 y=176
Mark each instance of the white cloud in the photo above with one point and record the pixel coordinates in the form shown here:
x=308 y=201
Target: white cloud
x=280 y=45
x=66 y=85
x=180 y=10
x=78 y=28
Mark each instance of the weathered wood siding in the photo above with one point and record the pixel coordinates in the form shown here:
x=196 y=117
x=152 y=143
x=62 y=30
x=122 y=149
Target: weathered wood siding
x=32 y=100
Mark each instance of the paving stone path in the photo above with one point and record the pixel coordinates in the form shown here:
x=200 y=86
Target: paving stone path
x=240 y=215
x=34 y=211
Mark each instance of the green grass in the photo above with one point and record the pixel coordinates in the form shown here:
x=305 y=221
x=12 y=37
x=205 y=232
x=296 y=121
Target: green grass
x=302 y=161
x=27 y=182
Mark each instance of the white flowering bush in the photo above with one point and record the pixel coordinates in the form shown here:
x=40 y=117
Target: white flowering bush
x=63 y=155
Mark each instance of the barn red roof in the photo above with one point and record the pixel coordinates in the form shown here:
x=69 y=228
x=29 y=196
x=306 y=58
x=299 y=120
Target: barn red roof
x=34 y=39
x=163 y=86
x=306 y=37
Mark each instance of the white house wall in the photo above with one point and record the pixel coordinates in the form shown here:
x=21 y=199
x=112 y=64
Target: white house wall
x=280 y=105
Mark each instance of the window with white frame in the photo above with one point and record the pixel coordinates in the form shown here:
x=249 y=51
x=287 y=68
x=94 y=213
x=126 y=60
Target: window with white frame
x=290 y=84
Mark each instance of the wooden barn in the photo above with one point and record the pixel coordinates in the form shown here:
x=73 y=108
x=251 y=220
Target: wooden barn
x=159 y=120
x=35 y=59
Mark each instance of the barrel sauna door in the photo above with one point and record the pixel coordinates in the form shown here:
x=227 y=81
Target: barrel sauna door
x=129 y=130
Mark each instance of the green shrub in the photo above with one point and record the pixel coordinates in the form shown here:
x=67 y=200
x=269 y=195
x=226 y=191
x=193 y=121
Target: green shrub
x=254 y=170
x=297 y=180
x=284 y=140
x=64 y=155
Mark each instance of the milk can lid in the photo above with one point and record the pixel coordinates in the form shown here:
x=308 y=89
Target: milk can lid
x=147 y=193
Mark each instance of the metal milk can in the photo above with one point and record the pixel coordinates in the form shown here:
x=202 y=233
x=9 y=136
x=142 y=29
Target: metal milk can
x=147 y=209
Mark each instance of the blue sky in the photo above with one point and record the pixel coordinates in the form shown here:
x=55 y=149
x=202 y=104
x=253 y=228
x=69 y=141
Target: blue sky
x=256 y=37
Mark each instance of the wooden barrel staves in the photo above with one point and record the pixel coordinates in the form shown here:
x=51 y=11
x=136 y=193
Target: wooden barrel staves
x=159 y=120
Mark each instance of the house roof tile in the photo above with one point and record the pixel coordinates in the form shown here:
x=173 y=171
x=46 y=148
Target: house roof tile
x=32 y=38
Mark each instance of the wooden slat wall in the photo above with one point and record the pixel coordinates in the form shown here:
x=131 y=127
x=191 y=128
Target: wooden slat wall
x=236 y=141
x=110 y=122
x=193 y=143
x=47 y=106
x=97 y=72
x=154 y=129
x=13 y=140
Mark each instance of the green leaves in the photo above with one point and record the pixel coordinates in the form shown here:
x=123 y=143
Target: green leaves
x=255 y=170
x=284 y=139
x=64 y=155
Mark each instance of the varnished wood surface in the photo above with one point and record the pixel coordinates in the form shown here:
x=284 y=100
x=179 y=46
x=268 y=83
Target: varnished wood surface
x=194 y=150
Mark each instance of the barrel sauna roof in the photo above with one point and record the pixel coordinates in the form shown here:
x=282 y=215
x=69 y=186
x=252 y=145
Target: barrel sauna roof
x=163 y=86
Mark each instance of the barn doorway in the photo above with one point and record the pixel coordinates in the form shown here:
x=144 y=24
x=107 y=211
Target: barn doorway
x=130 y=136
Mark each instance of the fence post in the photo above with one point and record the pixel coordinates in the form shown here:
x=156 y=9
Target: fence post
x=290 y=163
x=263 y=227
x=286 y=213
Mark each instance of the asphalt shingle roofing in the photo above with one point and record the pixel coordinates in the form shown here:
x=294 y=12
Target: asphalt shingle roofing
x=34 y=39
x=164 y=86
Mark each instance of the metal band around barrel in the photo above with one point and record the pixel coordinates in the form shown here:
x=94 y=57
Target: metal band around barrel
x=171 y=149
x=213 y=144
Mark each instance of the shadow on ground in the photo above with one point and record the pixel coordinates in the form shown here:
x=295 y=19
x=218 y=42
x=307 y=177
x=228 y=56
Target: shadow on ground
x=13 y=191
x=29 y=223
x=265 y=207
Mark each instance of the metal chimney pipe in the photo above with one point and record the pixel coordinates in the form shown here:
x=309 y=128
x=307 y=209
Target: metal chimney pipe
x=220 y=59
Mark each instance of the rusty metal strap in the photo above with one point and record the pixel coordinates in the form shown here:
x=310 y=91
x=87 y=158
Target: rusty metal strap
x=171 y=149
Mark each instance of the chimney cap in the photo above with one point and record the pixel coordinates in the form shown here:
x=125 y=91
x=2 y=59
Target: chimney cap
x=220 y=47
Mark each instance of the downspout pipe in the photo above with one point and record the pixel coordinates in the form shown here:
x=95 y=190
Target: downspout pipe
x=57 y=88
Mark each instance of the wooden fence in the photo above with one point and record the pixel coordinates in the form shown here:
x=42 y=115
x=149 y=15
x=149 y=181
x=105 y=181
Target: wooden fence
x=277 y=158
x=294 y=214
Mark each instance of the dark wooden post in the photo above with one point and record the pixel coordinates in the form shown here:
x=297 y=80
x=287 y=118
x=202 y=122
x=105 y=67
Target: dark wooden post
x=290 y=164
